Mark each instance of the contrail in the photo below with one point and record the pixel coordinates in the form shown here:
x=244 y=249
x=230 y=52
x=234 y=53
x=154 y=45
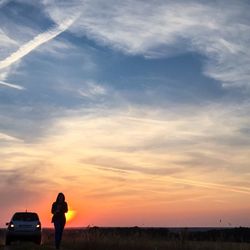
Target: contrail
x=37 y=41
x=209 y=185
x=8 y=137
x=11 y=85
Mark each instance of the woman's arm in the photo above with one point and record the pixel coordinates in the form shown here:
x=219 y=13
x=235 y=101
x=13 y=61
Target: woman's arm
x=53 y=208
x=65 y=207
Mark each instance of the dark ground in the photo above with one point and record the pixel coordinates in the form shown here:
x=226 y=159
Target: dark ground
x=135 y=238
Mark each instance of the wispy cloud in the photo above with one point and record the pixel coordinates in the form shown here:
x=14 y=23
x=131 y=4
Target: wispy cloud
x=210 y=185
x=165 y=28
x=6 y=137
x=37 y=41
x=3 y=2
x=92 y=90
x=6 y=41
x=176 y=140
x=11 y=85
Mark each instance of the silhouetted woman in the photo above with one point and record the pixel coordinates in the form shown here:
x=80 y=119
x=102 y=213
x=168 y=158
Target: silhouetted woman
x=59 y=208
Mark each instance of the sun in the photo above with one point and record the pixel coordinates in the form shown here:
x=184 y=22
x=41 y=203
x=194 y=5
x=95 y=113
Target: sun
x=70 y=215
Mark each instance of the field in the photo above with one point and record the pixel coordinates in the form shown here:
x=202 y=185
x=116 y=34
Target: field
x=129 y=239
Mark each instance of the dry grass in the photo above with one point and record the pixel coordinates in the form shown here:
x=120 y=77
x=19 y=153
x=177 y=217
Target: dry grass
x=95 y=240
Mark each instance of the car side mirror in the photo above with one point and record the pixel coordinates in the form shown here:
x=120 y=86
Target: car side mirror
x=7 y=223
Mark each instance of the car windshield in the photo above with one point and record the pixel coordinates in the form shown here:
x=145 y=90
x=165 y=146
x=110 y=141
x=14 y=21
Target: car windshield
x=25 y=217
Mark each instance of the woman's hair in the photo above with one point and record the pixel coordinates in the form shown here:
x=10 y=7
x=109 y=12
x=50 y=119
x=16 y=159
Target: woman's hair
x=60 y=195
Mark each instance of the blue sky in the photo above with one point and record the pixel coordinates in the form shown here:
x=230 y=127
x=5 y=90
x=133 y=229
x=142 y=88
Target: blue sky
x=169 y=81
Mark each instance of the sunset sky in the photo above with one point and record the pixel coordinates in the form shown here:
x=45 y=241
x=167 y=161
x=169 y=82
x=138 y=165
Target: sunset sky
x=137 y=110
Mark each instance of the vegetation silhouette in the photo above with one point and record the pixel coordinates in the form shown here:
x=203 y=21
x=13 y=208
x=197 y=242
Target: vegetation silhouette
x=135 y=238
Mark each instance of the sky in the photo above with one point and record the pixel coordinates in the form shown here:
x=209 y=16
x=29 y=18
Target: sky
x=137 y=110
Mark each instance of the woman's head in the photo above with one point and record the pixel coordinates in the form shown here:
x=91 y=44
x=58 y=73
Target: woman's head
x=60 y=197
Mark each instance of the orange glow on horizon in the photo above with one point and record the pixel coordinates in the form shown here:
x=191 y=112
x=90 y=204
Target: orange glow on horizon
x=148 y=187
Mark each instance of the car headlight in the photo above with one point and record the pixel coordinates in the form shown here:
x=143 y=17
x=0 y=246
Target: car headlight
x=12 y=225
x=38 y=226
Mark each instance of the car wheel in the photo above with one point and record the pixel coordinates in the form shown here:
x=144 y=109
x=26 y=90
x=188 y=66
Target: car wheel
x=38 y=241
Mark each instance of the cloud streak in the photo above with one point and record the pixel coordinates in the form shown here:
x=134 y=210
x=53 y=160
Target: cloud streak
x=6 y=137
x=11 y=85
x=37 y=41
x=209 y=185
x=92 y=90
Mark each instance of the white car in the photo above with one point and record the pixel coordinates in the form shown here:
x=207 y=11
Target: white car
x=24 y=226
